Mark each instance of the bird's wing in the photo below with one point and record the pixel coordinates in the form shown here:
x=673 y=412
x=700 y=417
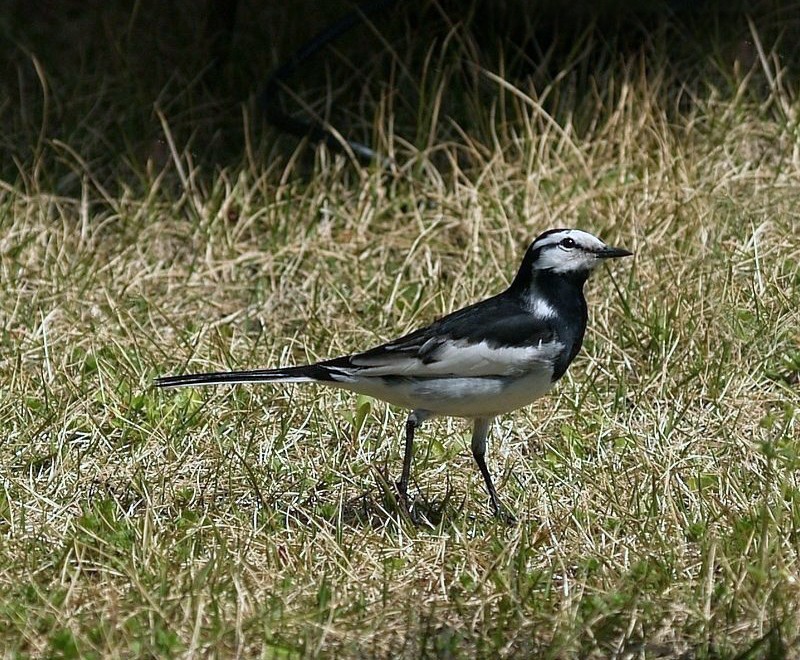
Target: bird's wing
x=497 y=337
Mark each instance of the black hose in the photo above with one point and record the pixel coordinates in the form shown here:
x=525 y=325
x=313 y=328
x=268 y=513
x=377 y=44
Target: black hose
x=270 y=100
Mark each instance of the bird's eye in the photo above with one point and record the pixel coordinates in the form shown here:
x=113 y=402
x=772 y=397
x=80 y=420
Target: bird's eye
x=567 y=243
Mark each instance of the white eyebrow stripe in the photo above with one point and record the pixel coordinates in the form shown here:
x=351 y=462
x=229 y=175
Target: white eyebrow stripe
x=582 y=239
x=552 y=239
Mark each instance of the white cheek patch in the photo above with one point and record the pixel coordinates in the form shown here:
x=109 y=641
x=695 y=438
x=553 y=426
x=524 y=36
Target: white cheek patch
x=576 y=261
x=561 y=260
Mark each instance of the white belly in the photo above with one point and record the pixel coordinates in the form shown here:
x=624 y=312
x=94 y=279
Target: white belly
x=458 y=397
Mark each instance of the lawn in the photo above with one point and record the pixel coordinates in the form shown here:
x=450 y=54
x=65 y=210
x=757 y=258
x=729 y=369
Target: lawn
x=151 y=224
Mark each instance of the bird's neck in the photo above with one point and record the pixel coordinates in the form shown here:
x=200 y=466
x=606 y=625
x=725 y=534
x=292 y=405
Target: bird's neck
x=558 y=289
x=563 y=292
x=562 y=296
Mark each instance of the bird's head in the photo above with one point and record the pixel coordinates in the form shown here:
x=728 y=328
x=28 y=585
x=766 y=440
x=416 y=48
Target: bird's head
x=565 y=251
x=570 y=253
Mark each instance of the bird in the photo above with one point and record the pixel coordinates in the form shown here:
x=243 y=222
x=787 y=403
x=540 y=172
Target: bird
x=484 y=360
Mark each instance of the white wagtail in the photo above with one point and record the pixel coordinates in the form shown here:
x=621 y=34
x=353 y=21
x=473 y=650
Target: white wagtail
x=479 y=362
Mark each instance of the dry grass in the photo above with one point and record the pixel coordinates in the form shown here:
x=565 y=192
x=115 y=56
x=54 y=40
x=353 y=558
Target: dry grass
x=656 y=488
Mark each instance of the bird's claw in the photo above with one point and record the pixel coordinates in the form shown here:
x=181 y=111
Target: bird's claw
x=504 y=515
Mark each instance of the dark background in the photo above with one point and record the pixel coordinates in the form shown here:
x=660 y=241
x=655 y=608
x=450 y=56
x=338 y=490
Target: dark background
x=91 y=76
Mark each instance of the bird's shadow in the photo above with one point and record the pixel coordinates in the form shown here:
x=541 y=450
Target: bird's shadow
x=383 y=507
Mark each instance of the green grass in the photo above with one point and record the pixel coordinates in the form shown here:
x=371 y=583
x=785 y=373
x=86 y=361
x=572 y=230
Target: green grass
x=149 y=227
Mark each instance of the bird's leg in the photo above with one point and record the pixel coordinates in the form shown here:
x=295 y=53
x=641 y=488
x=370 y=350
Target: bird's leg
x=479 y=433
x=413 y=421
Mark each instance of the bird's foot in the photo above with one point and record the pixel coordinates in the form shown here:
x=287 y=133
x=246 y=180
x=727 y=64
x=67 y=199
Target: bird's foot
x=402 y=498
x=503 y=514
x=406 y=507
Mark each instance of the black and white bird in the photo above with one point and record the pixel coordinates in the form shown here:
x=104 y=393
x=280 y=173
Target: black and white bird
x=479 y=362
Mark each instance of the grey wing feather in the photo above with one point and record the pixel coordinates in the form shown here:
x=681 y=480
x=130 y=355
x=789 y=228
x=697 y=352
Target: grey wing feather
x=493 y=338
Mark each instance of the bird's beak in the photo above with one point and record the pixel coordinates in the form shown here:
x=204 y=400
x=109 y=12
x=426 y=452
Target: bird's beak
x=609 y=252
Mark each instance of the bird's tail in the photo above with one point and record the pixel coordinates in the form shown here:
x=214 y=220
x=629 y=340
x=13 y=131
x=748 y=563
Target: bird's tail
x=305 y=374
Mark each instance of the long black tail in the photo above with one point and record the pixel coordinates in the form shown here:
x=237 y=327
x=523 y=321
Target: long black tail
x=304 y=374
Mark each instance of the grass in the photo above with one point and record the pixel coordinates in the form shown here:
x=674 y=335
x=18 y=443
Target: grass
x=151 y=225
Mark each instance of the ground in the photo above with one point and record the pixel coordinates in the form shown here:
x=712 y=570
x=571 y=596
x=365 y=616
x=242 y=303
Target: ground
x=152 y=224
